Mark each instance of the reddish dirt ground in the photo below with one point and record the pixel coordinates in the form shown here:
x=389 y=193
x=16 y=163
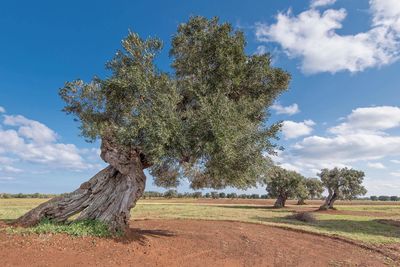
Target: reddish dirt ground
x=186 y=243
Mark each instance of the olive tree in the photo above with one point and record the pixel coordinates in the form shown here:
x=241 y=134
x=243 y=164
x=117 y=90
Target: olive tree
x=283 y=184
x=341 y=184
x=314 y=187
x=310 y=188
x=302 y=193
x=205 y=122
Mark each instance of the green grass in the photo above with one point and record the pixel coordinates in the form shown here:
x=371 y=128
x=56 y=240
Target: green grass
x=75 y=228
x=15 y=207
x=390 y=209
x=368 y=228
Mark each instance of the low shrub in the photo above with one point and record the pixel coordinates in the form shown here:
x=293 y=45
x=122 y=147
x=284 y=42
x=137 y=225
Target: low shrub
x=307 y=217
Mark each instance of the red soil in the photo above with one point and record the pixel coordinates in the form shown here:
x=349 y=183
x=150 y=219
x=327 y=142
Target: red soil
x=186 y=243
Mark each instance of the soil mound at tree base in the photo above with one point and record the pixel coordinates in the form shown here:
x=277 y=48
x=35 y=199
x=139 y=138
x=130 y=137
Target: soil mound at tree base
x=186 y=243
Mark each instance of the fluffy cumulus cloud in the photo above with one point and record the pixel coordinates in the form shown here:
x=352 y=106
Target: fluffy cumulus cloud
x=369 y=120
x=312 y=37
x=30 y=129
x=26 y=140
x=291 y=129
x=319 y=3
x=288 y=110
x=361 y=137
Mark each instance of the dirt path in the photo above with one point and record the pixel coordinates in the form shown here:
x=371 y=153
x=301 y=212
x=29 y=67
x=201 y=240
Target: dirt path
x=186 y=243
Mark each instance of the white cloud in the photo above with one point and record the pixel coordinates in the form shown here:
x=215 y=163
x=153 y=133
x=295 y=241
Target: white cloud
x=319 y=3
x=376 y=165
x=2 y=110
x=396 y=174
x=312 y=37
x=347 y=148
x=395 y=161
x=30 y=129
x=369 y=120
x=288 y=110
x=261 y=50
x=31 y=141
x=361 y=137
x=291 y=129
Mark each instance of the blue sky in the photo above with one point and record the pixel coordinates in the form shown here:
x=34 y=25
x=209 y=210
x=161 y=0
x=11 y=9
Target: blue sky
x=342 y=108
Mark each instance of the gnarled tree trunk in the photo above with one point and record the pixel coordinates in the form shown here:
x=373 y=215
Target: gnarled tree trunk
x=280 y=202
x=108 y=196
x=329 y=201
x=301 y=202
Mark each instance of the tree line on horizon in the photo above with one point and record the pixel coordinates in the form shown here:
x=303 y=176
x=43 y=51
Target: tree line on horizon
x=281 y=184
x=172 y=193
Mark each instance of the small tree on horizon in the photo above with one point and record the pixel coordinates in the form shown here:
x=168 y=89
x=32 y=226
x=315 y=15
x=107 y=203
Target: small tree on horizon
x=341 y=184
x=206 y=122
x=171 y=193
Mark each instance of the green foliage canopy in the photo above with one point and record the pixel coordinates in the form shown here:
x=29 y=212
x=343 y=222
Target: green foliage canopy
x=314 y=187
x=205 y=122
x=285 y=184
x=345 y=183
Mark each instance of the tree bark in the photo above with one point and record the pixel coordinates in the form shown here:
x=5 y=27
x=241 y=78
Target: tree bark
x=329 y=201
x=280 y=202
x=108 y=196
x=301 y=202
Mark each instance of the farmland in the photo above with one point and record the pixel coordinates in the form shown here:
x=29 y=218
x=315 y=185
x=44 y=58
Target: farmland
x=363 y=224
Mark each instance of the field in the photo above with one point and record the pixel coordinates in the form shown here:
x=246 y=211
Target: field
x=369 y=232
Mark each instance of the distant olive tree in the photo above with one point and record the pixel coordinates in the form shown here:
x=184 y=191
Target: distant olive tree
x=197 y=194
x=310 y=188
x=315 y=187
x=384 y=198
x=172 y=193
x=231 y=195
x=214 y=195
x=341 y=184
x=302 y=193
x=283 y=184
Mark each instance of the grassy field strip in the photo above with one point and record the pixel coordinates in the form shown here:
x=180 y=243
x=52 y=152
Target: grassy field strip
x=360 y=226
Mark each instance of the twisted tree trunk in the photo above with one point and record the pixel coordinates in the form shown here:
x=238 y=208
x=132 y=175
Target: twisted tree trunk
x=280 y=202
x=301 y=201
x=329 y=201
x=108 y=196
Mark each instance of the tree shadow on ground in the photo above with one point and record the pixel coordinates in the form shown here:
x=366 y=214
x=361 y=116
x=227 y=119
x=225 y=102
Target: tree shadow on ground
x=141 y=236
x=375 y=227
